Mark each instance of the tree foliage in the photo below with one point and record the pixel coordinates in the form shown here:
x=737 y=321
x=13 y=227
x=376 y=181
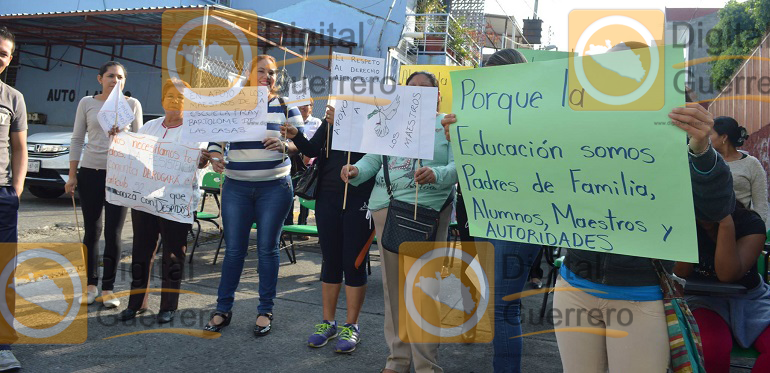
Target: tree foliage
x=740 y=29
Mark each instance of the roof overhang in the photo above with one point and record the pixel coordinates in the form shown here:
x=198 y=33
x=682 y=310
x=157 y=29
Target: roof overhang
x=118 y=28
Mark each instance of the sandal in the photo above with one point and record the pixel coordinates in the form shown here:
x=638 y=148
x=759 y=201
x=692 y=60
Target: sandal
x=226 y=317
x=261 y=331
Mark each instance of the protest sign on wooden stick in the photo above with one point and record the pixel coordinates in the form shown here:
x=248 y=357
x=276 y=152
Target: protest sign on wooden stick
x=398 y=121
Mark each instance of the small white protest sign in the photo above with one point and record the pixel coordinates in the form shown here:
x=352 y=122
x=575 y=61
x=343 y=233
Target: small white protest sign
x=116 y=111
x=241 y=118
x=392 y=120
x=152 y=176
x=299 y=94
x=348 y=67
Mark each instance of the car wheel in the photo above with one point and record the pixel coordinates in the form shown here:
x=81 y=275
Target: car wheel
x=45 y=192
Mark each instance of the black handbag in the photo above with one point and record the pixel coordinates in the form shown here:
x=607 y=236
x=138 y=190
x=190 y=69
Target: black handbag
x=306 y=177
x=307 y=185
x=401 y=225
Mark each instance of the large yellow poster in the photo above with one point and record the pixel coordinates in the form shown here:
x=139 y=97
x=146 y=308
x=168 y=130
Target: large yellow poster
x=444 y=83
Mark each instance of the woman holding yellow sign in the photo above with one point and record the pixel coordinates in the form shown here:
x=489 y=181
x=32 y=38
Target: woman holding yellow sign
x=257 y=189
x=407 y=175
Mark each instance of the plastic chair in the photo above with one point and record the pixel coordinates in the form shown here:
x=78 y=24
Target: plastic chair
x=751 y=352
x=211 y=184
x=253 y=226
x=737 y=351
x=301 y=230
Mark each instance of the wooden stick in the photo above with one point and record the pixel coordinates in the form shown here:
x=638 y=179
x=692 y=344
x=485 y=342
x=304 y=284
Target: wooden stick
x=345 y=198
x=328 y=132
x=77 y=224
x=115 y=125
x=416 y=189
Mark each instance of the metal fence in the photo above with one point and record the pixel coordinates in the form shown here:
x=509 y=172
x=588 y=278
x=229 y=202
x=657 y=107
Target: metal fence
x=439 y=33
x=747 y=97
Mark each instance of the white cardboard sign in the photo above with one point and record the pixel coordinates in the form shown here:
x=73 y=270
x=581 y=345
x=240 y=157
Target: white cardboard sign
x=116 y=111
x=393 y=120
x=241 y=118
x=299 y=94
x=152 y=176
x=348 y=67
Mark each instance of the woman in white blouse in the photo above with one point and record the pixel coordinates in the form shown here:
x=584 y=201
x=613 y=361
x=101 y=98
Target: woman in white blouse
x=148 y=227
x=749 y=178
x=90 y=180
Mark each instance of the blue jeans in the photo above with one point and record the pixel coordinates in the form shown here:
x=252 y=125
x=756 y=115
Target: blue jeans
x=512 y=263
x=243 y=203
x=9 y=217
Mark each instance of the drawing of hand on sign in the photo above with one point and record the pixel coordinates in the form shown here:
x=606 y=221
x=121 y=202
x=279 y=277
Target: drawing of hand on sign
x=385 y=114
x=398 y=121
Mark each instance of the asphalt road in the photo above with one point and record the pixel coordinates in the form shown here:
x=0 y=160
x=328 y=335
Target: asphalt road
x=297 y=309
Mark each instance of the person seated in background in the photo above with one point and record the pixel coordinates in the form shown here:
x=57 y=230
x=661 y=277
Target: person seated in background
x=728 y=252
x=749 y=178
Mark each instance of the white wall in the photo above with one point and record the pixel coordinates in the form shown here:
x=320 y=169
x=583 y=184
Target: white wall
x=41 y=88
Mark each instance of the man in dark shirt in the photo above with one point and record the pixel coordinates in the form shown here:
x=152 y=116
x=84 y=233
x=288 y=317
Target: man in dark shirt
x=13 y=170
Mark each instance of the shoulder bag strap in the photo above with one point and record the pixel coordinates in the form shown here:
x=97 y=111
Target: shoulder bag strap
x=387 y=176
x=666 y=285
x=284 y=107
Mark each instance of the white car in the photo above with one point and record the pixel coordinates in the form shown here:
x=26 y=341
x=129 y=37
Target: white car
x=49 y=161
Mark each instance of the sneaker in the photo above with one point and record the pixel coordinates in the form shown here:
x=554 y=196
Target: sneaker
x=323 y=333
x=350 y=336
x=8 y=361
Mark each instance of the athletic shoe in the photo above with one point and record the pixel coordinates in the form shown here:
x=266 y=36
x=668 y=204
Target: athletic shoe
x=323 y=333
x=8 y=361
x=350 y=336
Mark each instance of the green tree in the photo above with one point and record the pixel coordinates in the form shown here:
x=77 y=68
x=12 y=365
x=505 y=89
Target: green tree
x=740 y=29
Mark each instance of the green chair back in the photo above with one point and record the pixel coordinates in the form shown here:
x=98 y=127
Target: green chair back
x=212 y=180
x=745 y=353
x=762 y=266
x=306 y=203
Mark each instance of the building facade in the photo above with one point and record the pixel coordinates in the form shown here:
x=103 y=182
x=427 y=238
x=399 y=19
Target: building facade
x=54 y=75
